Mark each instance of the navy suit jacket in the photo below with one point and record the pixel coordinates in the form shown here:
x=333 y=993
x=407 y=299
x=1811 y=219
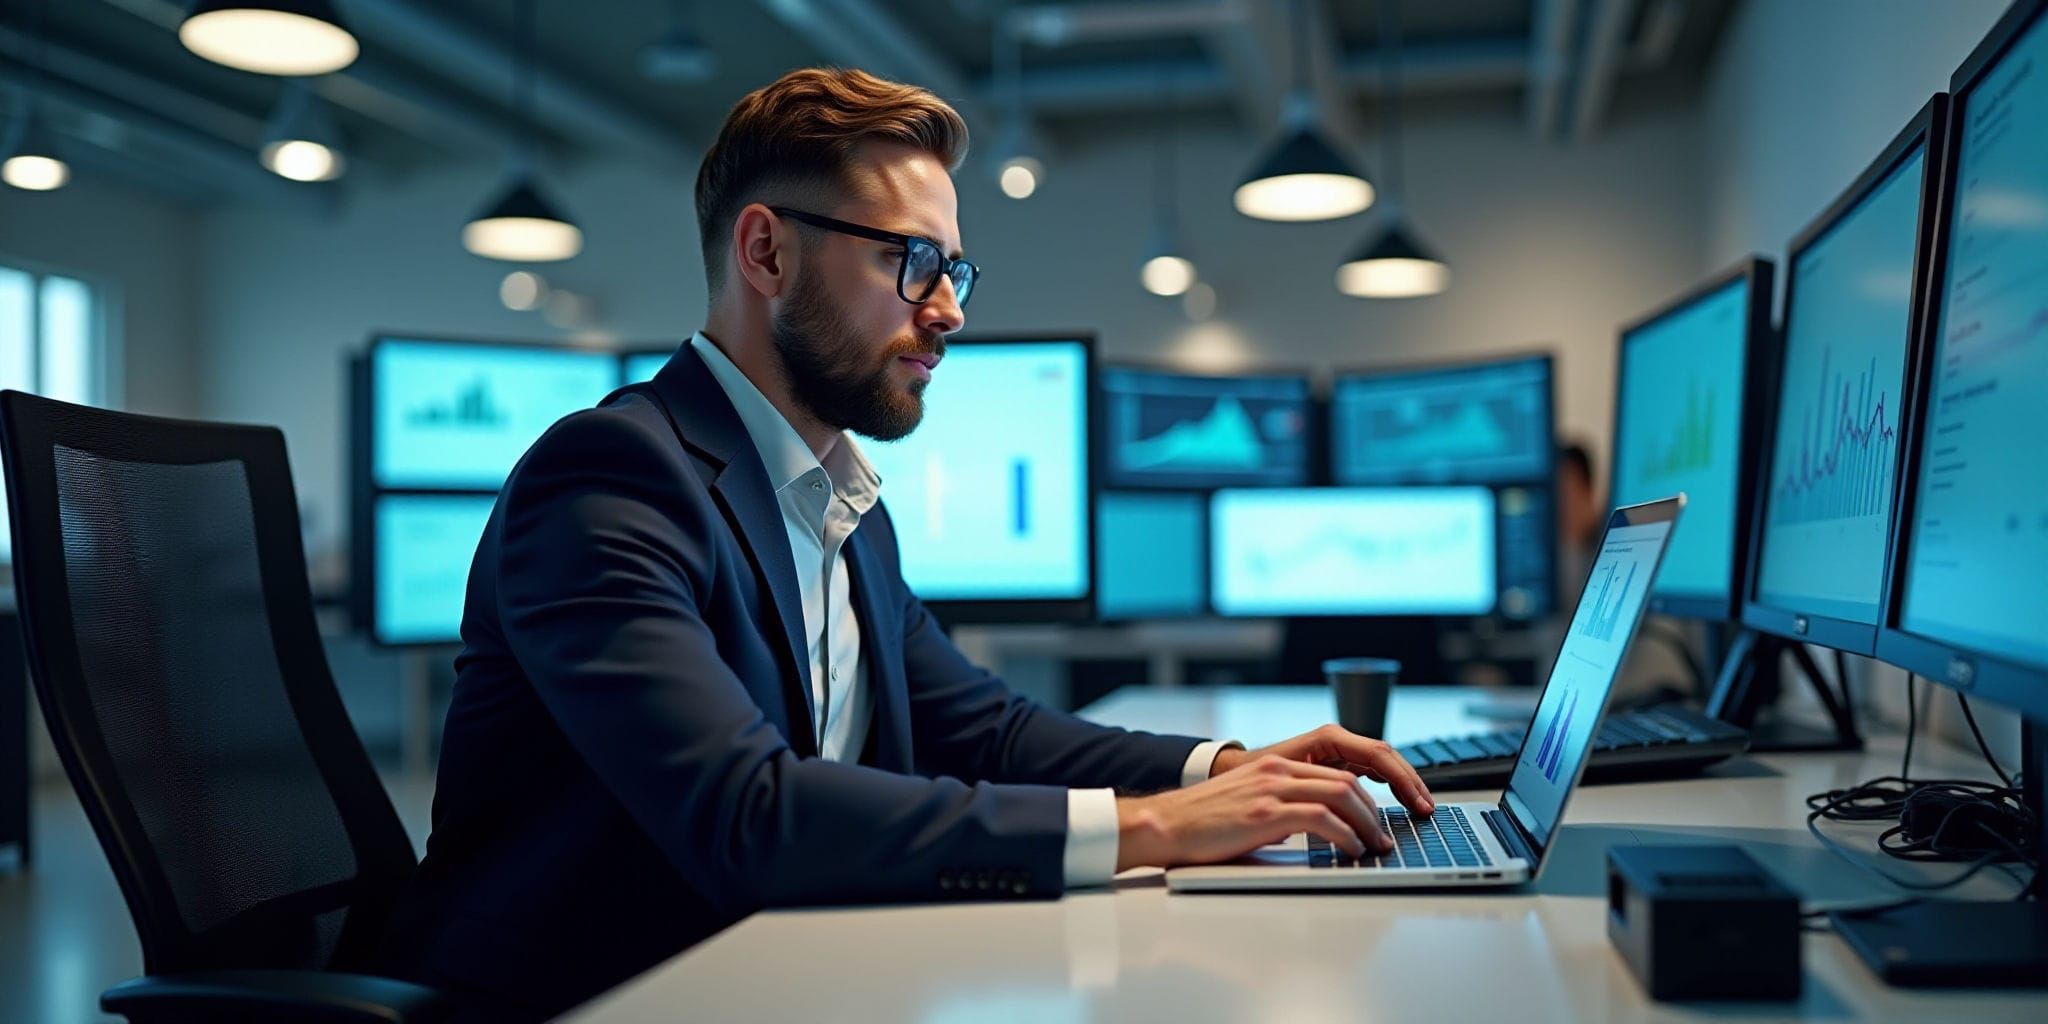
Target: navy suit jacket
x=628 y=763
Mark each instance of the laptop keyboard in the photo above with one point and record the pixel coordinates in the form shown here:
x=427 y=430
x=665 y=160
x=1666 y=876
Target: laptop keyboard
x=1442 y=840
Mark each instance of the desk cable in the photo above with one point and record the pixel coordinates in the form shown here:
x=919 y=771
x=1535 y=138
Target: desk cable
x=1954 y=821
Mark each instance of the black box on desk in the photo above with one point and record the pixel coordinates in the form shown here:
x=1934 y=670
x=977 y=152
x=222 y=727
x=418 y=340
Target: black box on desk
x=1703 y=922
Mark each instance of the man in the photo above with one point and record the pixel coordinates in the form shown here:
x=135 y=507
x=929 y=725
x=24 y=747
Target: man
x=693 y=682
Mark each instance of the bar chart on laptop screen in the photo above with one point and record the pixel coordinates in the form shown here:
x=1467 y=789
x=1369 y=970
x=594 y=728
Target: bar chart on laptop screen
x=1983 y=500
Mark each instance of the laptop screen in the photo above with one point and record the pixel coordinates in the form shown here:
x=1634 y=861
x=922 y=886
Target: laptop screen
x=1562 y=731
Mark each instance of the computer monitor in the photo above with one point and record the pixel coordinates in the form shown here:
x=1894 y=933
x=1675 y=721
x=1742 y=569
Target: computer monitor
x=993 y=494
x=424 y=544
x=1969 y=583
x=1830 y=458
x=642 y=366
x=1687 y=386
x=1181 y=430
x=1474 y=423
x=1487 y=422
x=459 y=414
x=1352 y=551
x=1152 y=553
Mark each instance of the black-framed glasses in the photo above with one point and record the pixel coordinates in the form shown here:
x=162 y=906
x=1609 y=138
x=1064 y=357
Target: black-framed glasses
x=923 y=261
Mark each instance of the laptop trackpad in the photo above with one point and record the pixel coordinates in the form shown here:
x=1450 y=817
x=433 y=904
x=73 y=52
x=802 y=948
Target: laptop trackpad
x=1291 y=852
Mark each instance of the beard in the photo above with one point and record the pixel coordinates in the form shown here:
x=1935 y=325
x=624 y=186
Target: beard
x=833 y=375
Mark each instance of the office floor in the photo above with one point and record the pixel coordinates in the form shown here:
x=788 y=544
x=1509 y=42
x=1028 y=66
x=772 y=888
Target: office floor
x=64 y=930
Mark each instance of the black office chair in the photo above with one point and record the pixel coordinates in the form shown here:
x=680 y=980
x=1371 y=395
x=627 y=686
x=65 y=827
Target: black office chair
x=170 y=635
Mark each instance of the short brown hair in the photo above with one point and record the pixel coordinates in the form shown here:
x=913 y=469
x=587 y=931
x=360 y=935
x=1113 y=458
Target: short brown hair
x=799 y=131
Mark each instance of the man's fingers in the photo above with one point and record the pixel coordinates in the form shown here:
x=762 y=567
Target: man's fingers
x=1385 y=764
x=1320 y=820
x=1346 y=799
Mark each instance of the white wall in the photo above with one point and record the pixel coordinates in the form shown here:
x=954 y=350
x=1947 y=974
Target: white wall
x=1804 y=93
x=140 y=250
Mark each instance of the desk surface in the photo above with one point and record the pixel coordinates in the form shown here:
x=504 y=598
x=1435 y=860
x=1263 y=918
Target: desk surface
x=1135 y=952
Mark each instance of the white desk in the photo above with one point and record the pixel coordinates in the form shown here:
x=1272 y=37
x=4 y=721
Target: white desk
x=1134 y=952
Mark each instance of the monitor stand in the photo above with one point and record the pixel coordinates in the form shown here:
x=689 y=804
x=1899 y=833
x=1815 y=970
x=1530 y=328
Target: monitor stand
x=1752 y=677
x=1953 y=943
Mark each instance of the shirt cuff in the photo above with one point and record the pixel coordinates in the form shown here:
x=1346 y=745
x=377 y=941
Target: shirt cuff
x=1091 y=837
x=1203 y=758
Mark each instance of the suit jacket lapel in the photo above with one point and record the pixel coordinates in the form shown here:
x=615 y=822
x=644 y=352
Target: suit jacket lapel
x=881 y=641
x=704 y=419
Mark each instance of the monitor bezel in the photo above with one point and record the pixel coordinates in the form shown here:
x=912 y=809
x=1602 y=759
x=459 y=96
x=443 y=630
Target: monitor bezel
x=1036 y=610
x=2013 y=684
x=1426 y=367
x=1200 y=500
x=1102 y=441
x=1925 y=132
x=1759 y=342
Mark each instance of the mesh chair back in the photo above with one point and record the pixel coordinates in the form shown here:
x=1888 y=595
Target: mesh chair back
x=162 y=586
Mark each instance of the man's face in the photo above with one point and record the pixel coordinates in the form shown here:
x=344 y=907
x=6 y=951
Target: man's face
x=855 y=352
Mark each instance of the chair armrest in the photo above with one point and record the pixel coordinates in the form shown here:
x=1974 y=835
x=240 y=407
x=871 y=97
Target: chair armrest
x=321 y=996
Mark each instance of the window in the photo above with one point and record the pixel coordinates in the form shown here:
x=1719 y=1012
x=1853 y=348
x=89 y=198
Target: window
x=52 y=343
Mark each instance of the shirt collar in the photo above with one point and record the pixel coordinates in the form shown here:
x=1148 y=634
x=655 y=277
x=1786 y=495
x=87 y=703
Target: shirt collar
x=783 y=451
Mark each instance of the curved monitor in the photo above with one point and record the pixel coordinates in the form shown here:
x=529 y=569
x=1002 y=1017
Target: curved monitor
x=1831 y=456
x=1970 y=583
x=1183 y=430
x=1683 y=423
x=993 y=494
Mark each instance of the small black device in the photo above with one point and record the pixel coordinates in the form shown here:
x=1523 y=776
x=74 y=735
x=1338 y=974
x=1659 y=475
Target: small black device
x=1703 y=922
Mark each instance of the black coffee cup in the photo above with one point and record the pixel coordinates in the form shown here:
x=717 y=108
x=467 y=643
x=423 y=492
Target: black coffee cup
x=1362 y=686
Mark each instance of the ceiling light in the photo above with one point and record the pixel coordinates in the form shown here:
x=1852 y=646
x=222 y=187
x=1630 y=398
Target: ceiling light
x=32 y=162
x=1393 y=265
x=270 y=37
x=523 y=290
x=1019 y=177
x=1302 y=177
x=1168 y=275
x=522 y=226
x=302 y=142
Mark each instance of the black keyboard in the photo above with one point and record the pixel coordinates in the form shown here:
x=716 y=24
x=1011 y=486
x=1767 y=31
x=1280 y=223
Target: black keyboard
x=1442 y=840
x=1655 y=743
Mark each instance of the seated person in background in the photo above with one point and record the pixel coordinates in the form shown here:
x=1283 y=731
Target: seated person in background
x=693 y=682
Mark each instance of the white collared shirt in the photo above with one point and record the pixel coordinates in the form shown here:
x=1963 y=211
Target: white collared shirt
x=821 y=504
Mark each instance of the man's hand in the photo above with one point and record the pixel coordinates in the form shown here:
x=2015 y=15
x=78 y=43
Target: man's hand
x=1252 y=798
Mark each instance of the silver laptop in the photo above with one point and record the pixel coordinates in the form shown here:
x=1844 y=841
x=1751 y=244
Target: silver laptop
x=1478 y=844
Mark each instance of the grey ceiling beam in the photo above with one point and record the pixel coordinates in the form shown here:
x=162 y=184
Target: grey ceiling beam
x=1606 y=33
x=1550 y=64
x=1053 y=25
x=861 y=33
x=1430 y=69
x=484 y=65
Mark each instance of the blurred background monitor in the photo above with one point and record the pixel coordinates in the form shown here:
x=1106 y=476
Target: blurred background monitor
x=1151 y=555
x=1831 y=456
x=992 y=494
x=1970 y=579
x=642 y=366
x=424 y=545
x=1179 y=430
x=456 y=414
x=1470 y=424
x=1489 y=423
x=1352 y=551
x=1683 y=422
